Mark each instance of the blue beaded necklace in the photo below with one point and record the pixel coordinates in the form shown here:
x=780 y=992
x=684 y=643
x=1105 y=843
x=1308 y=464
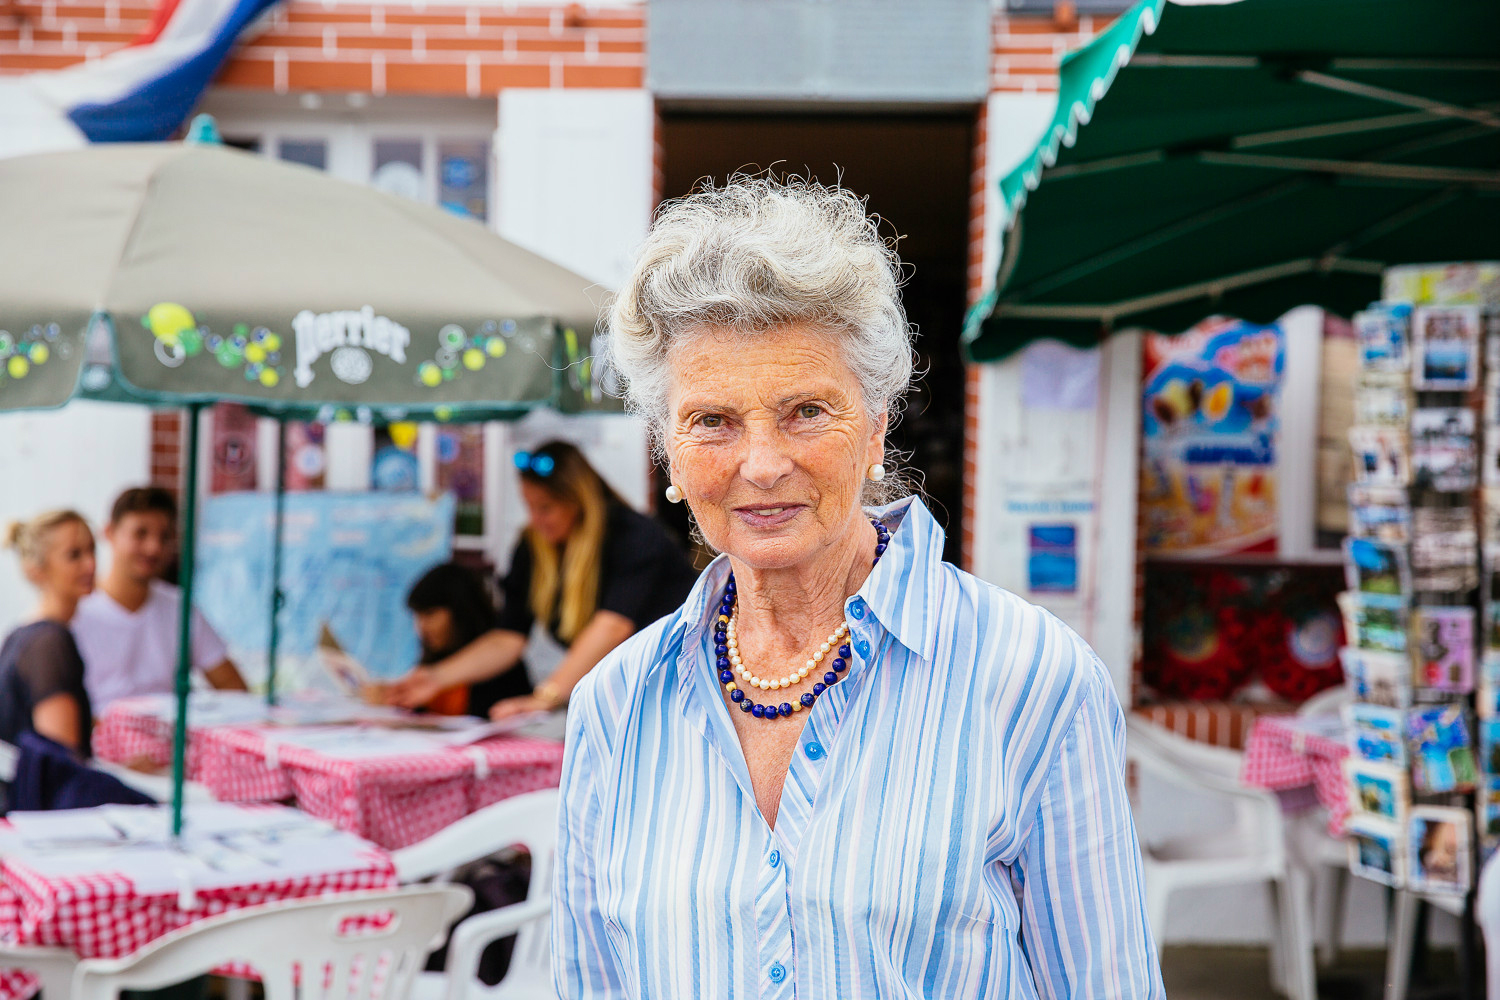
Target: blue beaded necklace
x=839 y=666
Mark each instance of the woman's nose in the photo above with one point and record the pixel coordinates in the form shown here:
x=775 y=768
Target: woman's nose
x=765 y=461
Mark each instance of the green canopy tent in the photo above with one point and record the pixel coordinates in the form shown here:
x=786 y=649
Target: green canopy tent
x=189 y=274
x=1245 y=158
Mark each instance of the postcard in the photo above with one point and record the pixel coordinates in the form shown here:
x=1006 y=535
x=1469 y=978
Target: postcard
x=1442 y=755
x=1442 y=645
x=1382 y=400
x=1489 y=746
x=1376 y=678
x=1379 y=627
x=1489 y=808
x=1377 y=734
x=1487 y=690
x=1381 y=455
x=1440 y=849
x=1445 y=348
x=1376 y=850
x=1379 y=512
x=1444 y=455
x=1491 y=382
x=1377 y=571
x=1490 y=525
x=1383 y=331
x=1377 y=790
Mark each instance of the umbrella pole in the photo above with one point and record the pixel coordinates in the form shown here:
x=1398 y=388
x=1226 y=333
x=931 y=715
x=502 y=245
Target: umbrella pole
x=277 y=595
x=185 y=615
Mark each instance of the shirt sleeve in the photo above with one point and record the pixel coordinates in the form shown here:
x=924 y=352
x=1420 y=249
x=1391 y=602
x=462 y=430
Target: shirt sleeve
x=50 y=665
x=208 y=649
x=583 y=960
x=515 y=593
x=1083 y=914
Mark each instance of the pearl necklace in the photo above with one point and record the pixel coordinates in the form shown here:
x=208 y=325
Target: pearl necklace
x=728 y=660
x=795 y=676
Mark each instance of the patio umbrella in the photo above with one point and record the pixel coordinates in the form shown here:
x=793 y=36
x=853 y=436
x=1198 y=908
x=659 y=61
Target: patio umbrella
x=1246 y=158
x=187 y=274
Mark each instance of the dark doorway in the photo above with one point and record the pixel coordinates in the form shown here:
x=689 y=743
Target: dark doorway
x=916 y=171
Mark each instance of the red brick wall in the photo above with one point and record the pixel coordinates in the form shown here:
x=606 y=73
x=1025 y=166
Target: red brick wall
x=452 y=49
x=166 y=449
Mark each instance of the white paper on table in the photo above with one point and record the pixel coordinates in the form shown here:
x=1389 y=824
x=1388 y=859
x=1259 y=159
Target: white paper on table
x=218 y=849
x=64 y=825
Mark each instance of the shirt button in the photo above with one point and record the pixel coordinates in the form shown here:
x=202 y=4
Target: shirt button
x=775 y=858
x=857 y=609
x=814 y=751
x=862 y=648
x=778 y=972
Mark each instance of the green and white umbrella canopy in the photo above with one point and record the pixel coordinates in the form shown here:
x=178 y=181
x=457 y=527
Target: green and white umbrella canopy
x=1245 y=158
x=177 y=273
x=186 y=274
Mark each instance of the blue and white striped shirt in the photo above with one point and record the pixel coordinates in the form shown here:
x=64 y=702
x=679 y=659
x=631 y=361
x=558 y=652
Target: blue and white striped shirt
x=954 y=822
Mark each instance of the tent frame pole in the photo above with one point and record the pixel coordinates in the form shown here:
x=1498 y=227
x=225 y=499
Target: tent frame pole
x=278 y=595
x=185 y=614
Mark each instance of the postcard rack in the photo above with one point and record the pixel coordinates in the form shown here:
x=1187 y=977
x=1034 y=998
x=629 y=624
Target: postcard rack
x=1422 y=609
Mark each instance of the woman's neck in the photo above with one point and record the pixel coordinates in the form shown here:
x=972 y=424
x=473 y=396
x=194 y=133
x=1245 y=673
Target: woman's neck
x=786 y=609
x=56 y=608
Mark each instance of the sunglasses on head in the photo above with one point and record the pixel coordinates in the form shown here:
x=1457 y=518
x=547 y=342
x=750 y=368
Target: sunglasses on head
x=541 y=465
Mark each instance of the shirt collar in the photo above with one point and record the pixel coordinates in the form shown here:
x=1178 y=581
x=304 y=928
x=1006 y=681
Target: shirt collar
x=898 y=592
x=903 y=589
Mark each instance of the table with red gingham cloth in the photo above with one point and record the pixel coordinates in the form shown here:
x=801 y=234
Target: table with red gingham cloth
x=127 y=736
x=393 y=801
x=1289 y=752
x=103 y=916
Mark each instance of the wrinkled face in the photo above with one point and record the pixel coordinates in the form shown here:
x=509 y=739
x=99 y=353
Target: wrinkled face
x=143 y=544
x=769 y=441
x=549 y=515
x=434 y=629
x=66 y=569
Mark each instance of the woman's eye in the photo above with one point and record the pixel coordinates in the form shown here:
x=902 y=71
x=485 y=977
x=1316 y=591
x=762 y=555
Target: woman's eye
x=809 y=410
x=711 y=420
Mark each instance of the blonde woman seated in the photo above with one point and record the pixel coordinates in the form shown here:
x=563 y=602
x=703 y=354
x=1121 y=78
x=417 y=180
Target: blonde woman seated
x=41 y=672
x=588 y=567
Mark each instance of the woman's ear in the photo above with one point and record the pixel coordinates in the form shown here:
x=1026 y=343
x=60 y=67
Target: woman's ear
x=875 y=451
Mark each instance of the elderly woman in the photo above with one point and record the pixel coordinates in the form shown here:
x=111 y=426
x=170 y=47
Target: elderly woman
x=843 y=768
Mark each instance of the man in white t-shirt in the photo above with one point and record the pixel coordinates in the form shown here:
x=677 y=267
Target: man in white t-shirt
x=127 y=628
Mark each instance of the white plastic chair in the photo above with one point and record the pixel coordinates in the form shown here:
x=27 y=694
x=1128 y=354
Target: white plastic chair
x=1252 y=850
x=529 y=821
x=279 y=939
x=52 y=966
x=1311 y=847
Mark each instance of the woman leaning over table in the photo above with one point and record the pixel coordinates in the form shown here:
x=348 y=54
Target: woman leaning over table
x=41 y=672
x=590 y=569
x=843 y=768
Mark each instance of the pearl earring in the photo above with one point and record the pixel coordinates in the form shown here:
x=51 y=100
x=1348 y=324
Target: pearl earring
x=876 y=473
x=674 y=495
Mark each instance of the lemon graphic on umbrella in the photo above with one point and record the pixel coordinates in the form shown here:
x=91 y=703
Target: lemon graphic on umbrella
x=175 y=330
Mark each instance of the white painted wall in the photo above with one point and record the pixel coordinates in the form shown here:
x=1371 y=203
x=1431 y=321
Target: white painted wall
x=574 y=176
x=80 y=456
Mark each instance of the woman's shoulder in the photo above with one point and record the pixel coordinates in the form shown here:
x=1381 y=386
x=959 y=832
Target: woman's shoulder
x=1018 y=643
x=614 y=683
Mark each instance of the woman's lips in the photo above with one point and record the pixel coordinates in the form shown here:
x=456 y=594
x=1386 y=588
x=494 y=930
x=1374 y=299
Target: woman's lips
x=767 y=515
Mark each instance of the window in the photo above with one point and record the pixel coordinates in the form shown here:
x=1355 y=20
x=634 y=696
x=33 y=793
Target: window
x=308 y=152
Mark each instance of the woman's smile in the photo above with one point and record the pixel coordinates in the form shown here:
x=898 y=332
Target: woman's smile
x=767 y=515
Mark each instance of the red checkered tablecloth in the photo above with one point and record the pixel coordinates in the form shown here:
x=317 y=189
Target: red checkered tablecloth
x=394 y=801
x=1283 y=755
x=102 y=915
